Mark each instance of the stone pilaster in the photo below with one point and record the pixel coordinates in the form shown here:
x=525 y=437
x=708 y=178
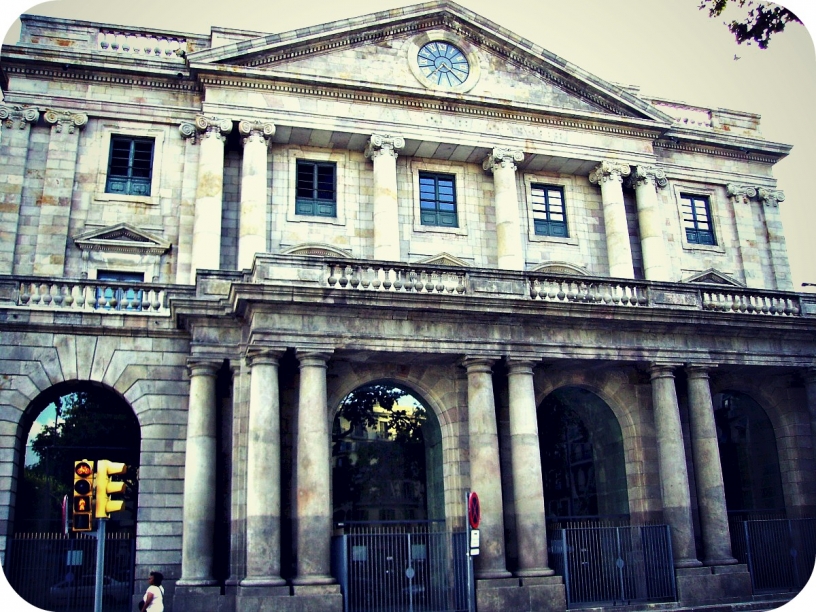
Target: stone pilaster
x=263 y=474
x=708 y=470
x=206 y=247
x=58 y=188
x=238 y=476
x=485 y=470
x=528 y=485
x=770 y=199
x=382 y=151
x=313 y=504
x=749 y=249
x=252 y=226
x=15 y=128
x=646 y=180
x=199 y=477
x=673 y=471
x=501 y=162
x=609 y=175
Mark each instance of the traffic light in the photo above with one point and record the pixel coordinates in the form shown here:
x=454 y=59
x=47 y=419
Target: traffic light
x=105 y=487
x=83 y=496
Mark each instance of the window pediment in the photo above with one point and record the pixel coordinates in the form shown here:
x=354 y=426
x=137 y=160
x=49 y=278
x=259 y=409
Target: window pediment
x=122 y=238
x=713 y=276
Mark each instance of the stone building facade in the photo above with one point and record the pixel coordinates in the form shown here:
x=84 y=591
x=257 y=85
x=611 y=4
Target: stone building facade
x=233 y=232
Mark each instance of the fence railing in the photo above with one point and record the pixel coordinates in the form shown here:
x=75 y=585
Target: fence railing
x=379 y=277
x=780 y=553
x=93 y=296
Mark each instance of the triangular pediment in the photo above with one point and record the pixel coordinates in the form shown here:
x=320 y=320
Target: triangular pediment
x=121 y=238
x=378 y=52
x=560 y=267
x=714 y=277
x=443 y=259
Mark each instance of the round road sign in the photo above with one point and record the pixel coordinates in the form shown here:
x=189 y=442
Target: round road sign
x=474 y=510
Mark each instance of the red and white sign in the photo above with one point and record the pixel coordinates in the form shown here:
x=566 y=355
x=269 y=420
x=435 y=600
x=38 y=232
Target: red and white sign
x=474 y=510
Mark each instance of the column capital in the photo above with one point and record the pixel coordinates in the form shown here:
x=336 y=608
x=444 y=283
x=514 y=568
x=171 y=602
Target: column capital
x=263 y=356
x=519 y=365
x=202 y=366
x=383 y=144
x=770 y=197
x=609 y=170
x=62 y=119
x=313 y=358
x=253 y=129
x=478 y=364
x=740 y=193
x=662 y=370
x=699 y=370
x=502 y=157
x=205 y=127
x=19 y=116
x=648 y=175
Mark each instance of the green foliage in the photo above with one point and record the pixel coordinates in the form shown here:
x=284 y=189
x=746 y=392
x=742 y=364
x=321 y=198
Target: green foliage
x=359 y=410
x=761 y=21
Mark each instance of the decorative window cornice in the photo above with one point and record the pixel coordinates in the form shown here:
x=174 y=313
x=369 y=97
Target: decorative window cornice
x=122 y=238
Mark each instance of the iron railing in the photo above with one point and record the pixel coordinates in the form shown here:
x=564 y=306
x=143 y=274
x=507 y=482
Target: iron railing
x=780 y=553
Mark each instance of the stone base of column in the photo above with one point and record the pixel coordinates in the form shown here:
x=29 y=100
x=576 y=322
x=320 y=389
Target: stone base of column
x=534 y=572
x=188 y=598
x=715 y=584
x=533 y=594
x=316 y=580
x=492 y=574
x=263 y=581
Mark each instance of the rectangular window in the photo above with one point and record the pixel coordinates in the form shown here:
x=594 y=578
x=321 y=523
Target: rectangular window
x=118 y=296
x=437 y=199
x=549 y=213
x=130 y=166
x=316 y=189
x=697 y=219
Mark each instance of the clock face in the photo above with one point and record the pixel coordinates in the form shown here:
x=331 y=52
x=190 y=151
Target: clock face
x=443 y=64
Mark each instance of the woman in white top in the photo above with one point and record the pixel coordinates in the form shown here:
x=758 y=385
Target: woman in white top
x=153 y=599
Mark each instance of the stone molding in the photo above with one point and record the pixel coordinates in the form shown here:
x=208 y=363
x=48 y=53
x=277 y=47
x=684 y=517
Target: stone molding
x=205 y=127
x=502 y=157
x=19 y=116
x=662 y=370
x=202 y=367
x=256 y=130
x=259 y=356
x=483 y=365
x=383 y=144
x=643 y=175
x=770 y=197
x=609 y=171
x=61 y=119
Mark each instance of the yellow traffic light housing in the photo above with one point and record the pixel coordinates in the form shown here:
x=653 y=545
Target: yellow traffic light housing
x=105 y=487
x=83 y=496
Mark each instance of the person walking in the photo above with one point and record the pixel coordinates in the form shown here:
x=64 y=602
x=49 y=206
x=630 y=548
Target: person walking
x=153 y=599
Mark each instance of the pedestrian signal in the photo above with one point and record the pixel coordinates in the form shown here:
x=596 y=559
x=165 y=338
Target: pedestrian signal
x=83 y=496
x=105 y=487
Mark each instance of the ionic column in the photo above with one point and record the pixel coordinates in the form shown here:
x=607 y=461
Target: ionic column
x=810 y=389
x=313 y=504
x=15 y=128
x=263 y=473
x=770 y=199
x=646 y=180
x=206 y=249
x=508 y=224
x=485 y=471
x=199 y=477
x=673 y=471
x=740 y=196
x=609 y=175
x=528 y=487
x=708 y=470
x=382 y=151
x=252 y=222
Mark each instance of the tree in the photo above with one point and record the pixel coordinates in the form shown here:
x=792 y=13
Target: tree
x=761 y=21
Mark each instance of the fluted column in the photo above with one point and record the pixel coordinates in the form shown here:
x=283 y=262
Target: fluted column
x=646 y=180
x=252 y=222
x=740 y=196
x=673 y=471
x=15 y=129
x=313 y=504
x=206 y=249
x=263 y=473
x=708 y=470
x=528 y=485
x=810 y=389
x=508 y=223
x=199 y=477
x=485 y=470
x=382 y=151
x=770 y=199
x=609 y=175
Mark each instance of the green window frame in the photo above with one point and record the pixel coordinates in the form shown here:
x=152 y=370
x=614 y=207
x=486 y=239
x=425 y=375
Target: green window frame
x=130 y=166
x=316 y=188
x=549 y=211
x=122 y=289
x=696 y=213
x=437 y=199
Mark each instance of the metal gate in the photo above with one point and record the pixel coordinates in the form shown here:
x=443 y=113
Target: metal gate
x=57 y=572
x=780 y=553
x=401 y=567
x=615 y=565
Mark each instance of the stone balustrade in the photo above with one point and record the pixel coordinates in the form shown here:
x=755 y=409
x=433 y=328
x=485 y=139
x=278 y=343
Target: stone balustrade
x=395 y=278
x=613 y=293
x=93 y=296
x=142 y=44
x=751 y=302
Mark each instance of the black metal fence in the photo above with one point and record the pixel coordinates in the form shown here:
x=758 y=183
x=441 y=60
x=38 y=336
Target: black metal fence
x=57 y=572
x=780 y=553
x=614 y=565
x=401 y=567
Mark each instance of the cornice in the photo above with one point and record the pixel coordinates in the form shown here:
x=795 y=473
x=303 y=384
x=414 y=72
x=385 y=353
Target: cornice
x=183 y=84
x=721 y=151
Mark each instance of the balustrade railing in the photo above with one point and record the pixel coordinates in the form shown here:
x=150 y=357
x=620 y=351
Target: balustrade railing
x=142 y=44
x=613 y=293
x=750 y=303
x=90 y=296
x=396 y=278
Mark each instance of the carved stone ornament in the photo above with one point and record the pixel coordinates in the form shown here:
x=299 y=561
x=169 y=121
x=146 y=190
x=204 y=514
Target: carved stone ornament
x=648 y=174
x=502 y=157
x=62 y=119
x=383 y=144
x=740 y=193
x=251 y=129
x=770 y=197
x=18 y=115
x=609 y=171
x=205 y=127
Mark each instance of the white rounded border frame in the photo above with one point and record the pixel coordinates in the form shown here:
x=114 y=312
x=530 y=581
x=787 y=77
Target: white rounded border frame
x=468 y=50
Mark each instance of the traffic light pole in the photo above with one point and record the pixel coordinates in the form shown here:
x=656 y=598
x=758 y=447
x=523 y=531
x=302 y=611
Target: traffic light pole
x=100 y=562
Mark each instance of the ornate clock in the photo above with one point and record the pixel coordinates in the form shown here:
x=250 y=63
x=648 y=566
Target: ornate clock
x=443 y=64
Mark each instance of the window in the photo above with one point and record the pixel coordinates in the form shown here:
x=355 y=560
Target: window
x=549 y=214
x=697 y=219
x=130 y=166
x=316 y=189
x=437 y=199
x=127 y=298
